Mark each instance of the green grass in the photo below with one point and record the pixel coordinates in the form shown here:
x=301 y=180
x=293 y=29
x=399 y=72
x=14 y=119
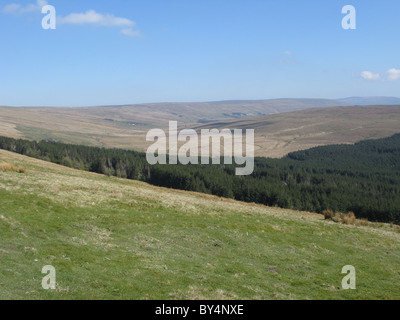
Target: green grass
x=115 y=239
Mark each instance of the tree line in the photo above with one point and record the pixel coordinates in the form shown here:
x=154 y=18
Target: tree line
x=363 y=178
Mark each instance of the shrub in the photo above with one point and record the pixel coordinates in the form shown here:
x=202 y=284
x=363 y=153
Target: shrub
x=21 y=169
x=7 y=167
x=10 y=168
x=349 y=218
x=328 y=214
x=362 y=222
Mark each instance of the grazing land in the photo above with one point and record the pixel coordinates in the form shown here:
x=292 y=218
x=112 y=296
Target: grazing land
x=111 y=238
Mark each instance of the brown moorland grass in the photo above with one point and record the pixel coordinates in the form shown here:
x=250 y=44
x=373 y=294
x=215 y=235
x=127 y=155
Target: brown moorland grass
x=346 y=218
x=328 y=214
x=11 y=168
x=279 y=134
x=276 y=135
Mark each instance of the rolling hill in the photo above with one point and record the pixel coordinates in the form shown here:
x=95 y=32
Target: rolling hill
x=371 y=101
x=277 y=135
x=111 y=238
x=126 y=126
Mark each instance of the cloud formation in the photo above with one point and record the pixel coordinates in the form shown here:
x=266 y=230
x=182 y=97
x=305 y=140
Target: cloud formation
x=85 y=18
x=131 y=33
x=15 y=8
x=105 y=20
x=393 y=74
x=368 y=75
x=92 y=17
x=390 y=75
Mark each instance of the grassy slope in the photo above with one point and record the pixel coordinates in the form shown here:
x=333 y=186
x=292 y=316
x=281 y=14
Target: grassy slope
x=119 y=239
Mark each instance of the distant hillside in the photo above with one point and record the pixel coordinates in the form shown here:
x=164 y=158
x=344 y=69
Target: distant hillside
x=277 y=135
x=371 y=101
x=111 y=238
x=126 y=126
x=279 y=129
x=236 y=109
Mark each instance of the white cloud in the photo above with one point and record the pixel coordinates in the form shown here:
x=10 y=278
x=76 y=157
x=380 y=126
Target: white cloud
x=88 y=17
x=12 y=8
x=368 y=75
x=390 y=75
x=393 y=74
x=15 y=8
x=92 y=17
x=287 y=53
x=105 y=20
x=131 y=33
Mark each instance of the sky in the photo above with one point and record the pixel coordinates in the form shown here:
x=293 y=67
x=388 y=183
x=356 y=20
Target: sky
x=126 y=52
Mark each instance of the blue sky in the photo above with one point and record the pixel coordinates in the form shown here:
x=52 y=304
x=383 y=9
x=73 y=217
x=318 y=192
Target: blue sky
x=125 y=52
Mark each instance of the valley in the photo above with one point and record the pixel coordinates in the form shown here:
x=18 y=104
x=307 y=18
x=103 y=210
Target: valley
x=279 y=129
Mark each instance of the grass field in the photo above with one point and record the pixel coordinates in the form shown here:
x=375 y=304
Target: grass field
x=110 y=238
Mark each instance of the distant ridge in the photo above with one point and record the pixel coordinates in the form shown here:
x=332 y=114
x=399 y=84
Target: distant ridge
x=282 y=125
x=371 y=101
x=279 y=134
